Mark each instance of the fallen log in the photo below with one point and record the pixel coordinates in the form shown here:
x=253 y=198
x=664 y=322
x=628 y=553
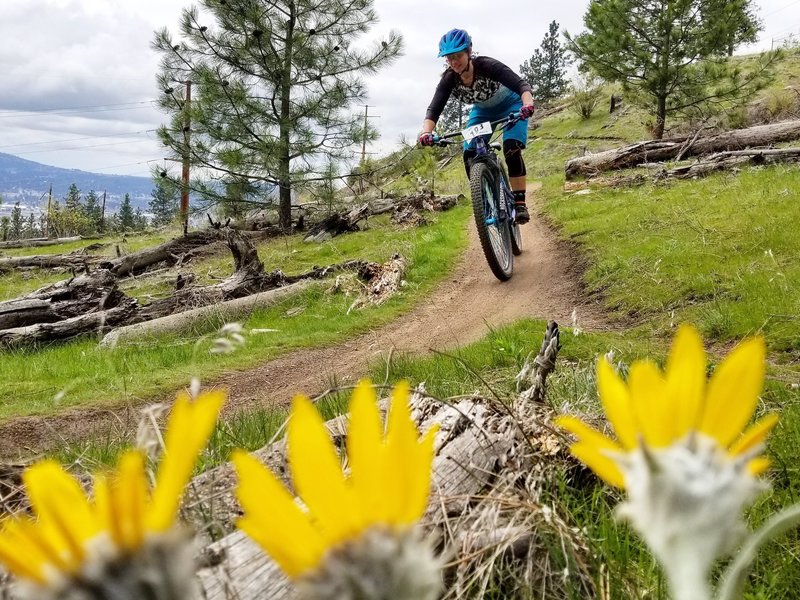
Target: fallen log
x=35 y=242
x=492 y=462
x=48 y=261
x=721 y=161
x=72 y=297
x=169 y=253
x=99 y=322
x=184 y=321
x=667 y=149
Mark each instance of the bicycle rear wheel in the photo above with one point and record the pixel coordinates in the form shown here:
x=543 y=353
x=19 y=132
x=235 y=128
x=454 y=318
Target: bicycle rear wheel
x=494 y=232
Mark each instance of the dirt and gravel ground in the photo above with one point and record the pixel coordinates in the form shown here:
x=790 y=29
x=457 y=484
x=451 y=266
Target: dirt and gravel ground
x=546 y=285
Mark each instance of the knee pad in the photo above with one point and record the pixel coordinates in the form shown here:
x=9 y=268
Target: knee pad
x=512 y=151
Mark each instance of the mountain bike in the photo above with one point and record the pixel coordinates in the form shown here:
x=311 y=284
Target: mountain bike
x=492 y=198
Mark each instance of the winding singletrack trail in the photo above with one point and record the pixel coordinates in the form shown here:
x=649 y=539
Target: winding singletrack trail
x=546 y=285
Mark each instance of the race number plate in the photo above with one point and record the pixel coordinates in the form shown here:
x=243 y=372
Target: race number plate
x=471 y=133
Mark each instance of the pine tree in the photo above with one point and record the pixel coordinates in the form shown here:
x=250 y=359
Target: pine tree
x=669 y=55
x=164 y=202
x=30 y=230
x=546 y=70
x=125 y=214
x=17 y=222
x=93 y=211
x=139 y=220
x=5 y=227
x=72 y=201
x=454 y=116
x=273 y=85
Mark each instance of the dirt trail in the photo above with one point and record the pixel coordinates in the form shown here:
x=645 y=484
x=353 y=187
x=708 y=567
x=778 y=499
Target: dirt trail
x=546 y=284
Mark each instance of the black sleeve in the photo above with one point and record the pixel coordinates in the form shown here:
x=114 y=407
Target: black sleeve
x=441 y=95
x=494 y=69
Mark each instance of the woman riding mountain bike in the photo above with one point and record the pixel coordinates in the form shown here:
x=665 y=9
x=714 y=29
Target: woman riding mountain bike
x=494 y=91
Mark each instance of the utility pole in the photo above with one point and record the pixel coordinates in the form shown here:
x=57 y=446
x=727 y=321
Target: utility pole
x=47 y=222
x=103 y=213
x=187 y=124
x=364 y=145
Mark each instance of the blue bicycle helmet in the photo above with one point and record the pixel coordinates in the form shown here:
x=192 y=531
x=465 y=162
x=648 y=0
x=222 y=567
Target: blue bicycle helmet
x=454 y=41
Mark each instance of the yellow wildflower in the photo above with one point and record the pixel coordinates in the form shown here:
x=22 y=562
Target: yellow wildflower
x=73 y=539
x=341 y=516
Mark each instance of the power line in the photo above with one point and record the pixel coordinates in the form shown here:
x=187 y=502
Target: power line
x=11 y=110
x=88 y=137
x=23 y=114
x=780 y=9
x=78 y=148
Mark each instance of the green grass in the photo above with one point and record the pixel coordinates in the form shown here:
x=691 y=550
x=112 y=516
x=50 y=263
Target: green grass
x=78 y=373
x=719 y=252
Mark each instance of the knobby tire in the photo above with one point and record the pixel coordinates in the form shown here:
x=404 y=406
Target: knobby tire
x=495 y=237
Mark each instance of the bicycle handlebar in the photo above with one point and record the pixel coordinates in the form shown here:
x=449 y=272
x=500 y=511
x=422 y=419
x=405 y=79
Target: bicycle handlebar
x=508 y=122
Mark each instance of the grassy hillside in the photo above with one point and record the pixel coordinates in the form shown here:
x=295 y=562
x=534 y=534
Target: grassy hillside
x=720 y=252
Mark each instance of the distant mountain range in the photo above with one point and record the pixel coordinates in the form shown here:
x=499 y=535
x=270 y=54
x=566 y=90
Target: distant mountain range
x=26 y=182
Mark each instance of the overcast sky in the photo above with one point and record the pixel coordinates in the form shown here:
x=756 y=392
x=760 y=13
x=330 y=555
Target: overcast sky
x=77 y=81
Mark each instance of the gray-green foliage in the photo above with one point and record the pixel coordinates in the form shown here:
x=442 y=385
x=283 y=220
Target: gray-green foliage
x=546 y=70
x=126 y=218
x=163 y=205
x=273 y=87
x=669 y=55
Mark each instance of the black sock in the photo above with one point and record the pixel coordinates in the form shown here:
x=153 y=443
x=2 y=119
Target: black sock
x=519 y=197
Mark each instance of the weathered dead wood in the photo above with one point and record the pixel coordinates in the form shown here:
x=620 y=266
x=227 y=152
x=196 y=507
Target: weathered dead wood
x=48 y=261
x=62 y=300
x=491 y=463
x=100 y=322
x=33 y=242
x=667 y=149
x=338 y=223
x=183 y=321
x=721 y=161
x=169 y=253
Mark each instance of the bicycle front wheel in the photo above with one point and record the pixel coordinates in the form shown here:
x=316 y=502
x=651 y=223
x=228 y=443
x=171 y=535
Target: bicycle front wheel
x=493 y=231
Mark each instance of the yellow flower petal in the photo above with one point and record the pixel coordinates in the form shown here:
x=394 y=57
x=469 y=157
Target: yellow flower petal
x=404 y=458
x=188 y=429
x=758 y=466
x=62 y=507
x=129 y=493
x=686 y=380
x=418 y=469
x=617 y=404
x=755 y=435
x=317 y=473
x=587 y=435
x=651 y=405
x=366 y=452
x=273 y=519
x=733 y=392
x=19 y=555
x=594 y=458
x=105 y=510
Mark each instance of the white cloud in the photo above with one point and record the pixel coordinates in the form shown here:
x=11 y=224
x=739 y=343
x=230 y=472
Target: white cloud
x=69 y=53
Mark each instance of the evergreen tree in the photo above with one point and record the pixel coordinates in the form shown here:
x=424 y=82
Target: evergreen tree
x=5 y=227
x=72 y=201
x=546 y=70
x=164 y=202
x=669 y=54
x=30 y=230
x=125 y=214
x=273 y=85
x=454 y=116
x=17 y=222
x=139 y=220
x=93 y=211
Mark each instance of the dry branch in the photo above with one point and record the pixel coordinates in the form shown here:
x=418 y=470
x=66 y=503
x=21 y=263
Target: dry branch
x=721 y=161
x=669 y=149
x=35 y=242
x=491 y=464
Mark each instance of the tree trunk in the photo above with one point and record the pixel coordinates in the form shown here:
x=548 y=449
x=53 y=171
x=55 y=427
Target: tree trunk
x=63 y=300
x=39 y=242
x=48 y=261
x=169 y=252
x=668 y=149
x=284 y=176
x=483 y=499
